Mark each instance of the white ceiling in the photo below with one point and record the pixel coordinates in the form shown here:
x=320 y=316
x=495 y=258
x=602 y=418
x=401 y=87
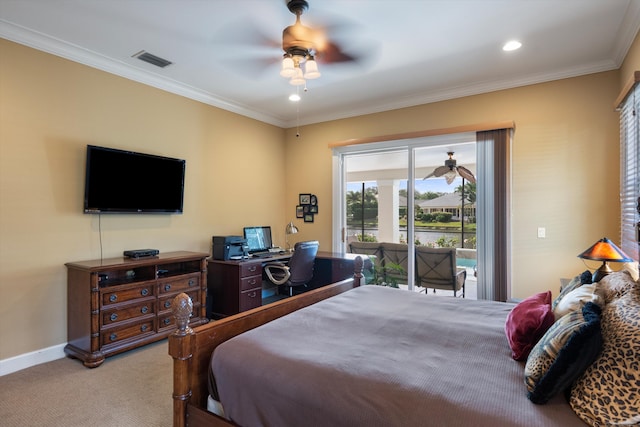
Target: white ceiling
x=418 y=51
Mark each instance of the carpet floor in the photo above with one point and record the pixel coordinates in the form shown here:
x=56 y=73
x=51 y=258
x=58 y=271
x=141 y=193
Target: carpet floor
x=130 y=389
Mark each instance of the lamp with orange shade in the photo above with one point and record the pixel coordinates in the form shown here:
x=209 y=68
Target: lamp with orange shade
x=606 y=251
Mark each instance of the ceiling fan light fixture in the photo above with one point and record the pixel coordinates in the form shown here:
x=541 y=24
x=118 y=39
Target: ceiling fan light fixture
x=311 y=69
x=288 y=69
x=298 y=77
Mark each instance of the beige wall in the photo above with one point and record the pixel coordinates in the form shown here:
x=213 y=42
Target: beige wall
x=565 y=163
x=565 y=166
x=50 y=109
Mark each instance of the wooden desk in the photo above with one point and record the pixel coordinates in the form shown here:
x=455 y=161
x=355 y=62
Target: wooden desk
x=236 y=286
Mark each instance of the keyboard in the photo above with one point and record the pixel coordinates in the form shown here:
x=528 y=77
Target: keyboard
x=266 y=254
x=262 y=254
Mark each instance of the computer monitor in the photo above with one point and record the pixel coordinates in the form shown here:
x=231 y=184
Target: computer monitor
x=258 y=238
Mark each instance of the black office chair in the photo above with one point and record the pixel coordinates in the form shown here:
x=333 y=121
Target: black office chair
x=299 y=271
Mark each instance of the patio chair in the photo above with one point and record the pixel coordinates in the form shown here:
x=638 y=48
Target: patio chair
x=436 y=269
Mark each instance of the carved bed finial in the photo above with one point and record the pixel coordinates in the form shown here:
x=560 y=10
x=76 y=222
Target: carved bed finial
x=357 y=270
x=181 y=308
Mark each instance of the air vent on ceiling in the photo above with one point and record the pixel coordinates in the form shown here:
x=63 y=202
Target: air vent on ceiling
x=152 y=59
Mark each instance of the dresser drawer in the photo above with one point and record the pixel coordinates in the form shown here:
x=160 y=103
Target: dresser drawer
x=250 y=269
x=128 y=311
x=250 y=299
x=114 y=335
x=168 y=321
x=119 y=294
x=251 y=282
x=178 y=283
x=166 y=301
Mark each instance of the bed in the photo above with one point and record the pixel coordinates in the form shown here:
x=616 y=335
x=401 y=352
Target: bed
x=350 y=355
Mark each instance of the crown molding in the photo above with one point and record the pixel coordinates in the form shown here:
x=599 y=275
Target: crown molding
x=92 y=59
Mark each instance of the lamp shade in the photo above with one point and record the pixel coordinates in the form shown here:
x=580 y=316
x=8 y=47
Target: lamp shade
x=311 y=69
x=287 y=69
x=605 y=250
x=291 y=228
x=298 y=77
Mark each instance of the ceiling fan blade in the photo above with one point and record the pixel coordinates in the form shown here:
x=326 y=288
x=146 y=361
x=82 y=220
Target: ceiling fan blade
x=450 y=177
x=466 y=174
x=438 y=172
x=243 y=35
x=331 y=53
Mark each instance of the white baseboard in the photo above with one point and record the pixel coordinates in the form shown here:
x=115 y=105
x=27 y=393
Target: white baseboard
x=34 y=358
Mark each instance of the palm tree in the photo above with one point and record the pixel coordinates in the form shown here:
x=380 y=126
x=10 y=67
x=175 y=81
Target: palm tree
x=469 y=191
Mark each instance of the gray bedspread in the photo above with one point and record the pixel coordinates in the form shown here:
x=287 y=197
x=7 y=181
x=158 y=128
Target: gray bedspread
x=376 y=356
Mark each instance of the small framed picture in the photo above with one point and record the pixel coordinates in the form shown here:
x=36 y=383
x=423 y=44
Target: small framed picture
x=305 y=198
x=306 y=209
x=313 y=200
x=299 y=211
x=308 y=218
x=313 y=209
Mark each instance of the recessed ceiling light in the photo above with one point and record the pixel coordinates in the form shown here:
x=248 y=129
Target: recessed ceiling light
x=512 y=45
x=294 y=97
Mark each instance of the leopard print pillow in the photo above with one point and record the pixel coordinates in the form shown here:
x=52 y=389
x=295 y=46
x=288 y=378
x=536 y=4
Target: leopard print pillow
x=614 y=285
x=563 y=353
x=607 y=393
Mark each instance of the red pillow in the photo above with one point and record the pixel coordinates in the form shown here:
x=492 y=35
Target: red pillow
x=527 y=322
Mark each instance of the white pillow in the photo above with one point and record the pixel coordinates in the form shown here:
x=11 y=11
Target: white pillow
x=632 y=268
x=575 y=299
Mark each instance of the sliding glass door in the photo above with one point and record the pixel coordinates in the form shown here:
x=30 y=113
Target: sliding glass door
x=393 y=192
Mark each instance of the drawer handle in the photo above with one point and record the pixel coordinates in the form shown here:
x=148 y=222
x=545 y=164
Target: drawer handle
x=192 y=282
x=253 y=281
x=167 y=304
x=167 y=321
x=113 y=337
x=253 y=294
x=253 y=268
x=144 y=292
x=144 y=309
x=114 y=317
x=144 y=328
x=113 y=298
x=167 y=287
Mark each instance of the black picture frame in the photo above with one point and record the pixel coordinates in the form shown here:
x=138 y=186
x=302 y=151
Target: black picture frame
x=299 y=211
x=313 y=209
x=306 y=209
x=305 y=198
x=308 y=218
x=313 y=200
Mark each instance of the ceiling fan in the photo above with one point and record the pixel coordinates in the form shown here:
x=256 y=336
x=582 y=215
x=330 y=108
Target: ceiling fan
x=449 y=170
x=302 y=45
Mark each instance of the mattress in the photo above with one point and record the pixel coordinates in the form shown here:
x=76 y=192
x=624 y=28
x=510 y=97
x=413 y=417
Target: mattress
x=376 y=356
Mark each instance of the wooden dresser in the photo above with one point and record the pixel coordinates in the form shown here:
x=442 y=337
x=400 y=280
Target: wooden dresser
x=117 y=304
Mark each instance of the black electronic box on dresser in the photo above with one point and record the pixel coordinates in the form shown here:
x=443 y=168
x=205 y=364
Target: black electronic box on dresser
x=117 y=304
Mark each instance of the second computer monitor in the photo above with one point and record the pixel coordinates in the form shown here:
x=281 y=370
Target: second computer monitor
x=258 y=238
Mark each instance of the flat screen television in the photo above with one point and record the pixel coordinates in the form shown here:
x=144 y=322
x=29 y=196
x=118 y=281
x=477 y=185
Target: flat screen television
x=258 y=238
x=118 y=181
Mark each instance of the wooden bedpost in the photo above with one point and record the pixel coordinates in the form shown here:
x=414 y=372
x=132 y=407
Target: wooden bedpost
x=358 y=277
x=181 y=350
x=191 y=349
